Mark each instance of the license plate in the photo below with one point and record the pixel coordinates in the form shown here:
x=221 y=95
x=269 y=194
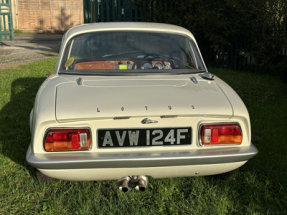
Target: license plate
x=109 y=138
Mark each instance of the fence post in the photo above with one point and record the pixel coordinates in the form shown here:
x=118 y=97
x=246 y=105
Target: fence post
x=11 y=29
x=108 y=10
x=102 y=10
x=136 y=14
x=113 y=10
x=7 y=30
x=119 y=9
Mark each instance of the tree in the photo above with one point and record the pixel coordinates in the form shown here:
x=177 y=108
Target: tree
x=260 y=23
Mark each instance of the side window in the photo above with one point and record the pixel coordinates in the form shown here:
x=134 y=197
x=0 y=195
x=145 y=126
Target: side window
x=62 y=43
x=190 y=52
x=196 y=56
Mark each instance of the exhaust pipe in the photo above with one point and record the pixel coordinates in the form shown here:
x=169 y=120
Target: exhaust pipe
x=124 y=182
x=142 y=183
x=139 y=182
x=125 y=186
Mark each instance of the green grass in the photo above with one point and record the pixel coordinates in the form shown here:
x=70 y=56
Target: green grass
x=17 y=31
x=259 y=187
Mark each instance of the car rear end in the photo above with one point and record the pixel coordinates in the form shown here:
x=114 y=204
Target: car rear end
x=149 y=134
x=135 y=113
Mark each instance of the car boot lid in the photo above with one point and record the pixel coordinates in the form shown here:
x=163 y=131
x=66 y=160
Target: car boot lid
x=109 y=98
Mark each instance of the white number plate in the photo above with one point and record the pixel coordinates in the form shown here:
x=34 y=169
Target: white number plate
x=144 y=137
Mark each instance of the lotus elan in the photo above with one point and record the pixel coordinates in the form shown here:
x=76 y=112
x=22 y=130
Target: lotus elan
x=131 y=100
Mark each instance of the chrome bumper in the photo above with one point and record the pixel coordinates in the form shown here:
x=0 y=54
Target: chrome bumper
x=140 y=159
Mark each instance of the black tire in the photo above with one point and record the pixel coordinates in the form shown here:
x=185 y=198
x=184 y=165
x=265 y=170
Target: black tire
x=43 y=178
x=223 y=176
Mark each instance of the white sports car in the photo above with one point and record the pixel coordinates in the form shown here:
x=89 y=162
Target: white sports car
x=130 y=100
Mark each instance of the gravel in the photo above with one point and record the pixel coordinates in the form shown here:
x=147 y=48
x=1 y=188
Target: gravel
x=28 y=48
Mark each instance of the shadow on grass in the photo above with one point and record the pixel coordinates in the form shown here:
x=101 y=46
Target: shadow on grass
x=258 y=187
x=14 y=118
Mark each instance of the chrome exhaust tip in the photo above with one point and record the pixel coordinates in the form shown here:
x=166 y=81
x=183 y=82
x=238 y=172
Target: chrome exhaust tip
x=124 y=184
x=142 y=183
x=138 y=182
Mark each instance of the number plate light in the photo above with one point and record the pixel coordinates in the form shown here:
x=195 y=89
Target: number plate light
x=67 y=140
x=220 y=134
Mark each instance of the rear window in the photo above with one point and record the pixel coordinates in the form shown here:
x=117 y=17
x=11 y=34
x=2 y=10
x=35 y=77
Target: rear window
x=128 y=52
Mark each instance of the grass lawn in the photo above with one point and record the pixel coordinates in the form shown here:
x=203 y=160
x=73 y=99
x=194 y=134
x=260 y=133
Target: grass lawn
x=259 y=187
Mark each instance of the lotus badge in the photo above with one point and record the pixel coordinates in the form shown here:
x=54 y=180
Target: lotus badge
x=147 y=121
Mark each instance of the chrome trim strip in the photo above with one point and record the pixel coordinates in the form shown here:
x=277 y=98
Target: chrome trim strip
x=168 y=116
x=140 y=159
x=194 y=80
x=122 y=117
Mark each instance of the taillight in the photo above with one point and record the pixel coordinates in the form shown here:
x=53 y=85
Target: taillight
x=67 y=140
x=220 y=134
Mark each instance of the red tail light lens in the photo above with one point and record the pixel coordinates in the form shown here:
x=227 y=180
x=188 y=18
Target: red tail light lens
x=220 y=134
x=67 y=140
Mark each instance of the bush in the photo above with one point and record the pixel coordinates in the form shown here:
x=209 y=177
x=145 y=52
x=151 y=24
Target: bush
x=261 y=24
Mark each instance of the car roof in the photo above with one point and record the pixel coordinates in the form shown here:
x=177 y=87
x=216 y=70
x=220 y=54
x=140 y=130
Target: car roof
x=120 y=26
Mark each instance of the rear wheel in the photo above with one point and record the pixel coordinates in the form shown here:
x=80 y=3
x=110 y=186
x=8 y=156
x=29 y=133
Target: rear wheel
x=43 y=178
x=223 y=176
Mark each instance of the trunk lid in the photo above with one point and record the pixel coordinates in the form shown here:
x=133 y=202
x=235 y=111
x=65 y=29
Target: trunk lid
x=109 y=98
